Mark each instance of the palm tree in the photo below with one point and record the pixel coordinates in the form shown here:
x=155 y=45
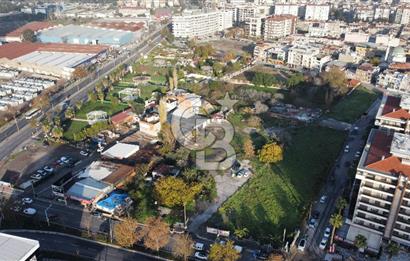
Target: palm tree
x=341 y=203
x=392 y=249
x=336 y=220
x=360 y=242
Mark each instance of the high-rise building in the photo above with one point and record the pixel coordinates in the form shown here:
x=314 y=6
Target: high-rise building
x=317 y=12
x=194 y=23
x=278 y=26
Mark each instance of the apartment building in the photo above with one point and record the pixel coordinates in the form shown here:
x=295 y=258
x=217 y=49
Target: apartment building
x=402 y=15
x=364 y=13
x=243 y=12
x=286 y=9
x=194 y=23
x=393 y=114
x=365 y=72
x=325 y=29
x=382 y=209
x=278 y=26
x=307 y=55
x=253 y=26
x=382 y=13
x=394 y=81
x=317 y=12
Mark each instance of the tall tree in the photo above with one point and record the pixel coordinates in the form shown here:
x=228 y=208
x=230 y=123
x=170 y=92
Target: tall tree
x=175 y=77
x=360 y=242
x=167 y=137
x=392 y=249
x=125 y=232
x=336 y=79
x=41 y=101
x=341 y=203
x=227 y=252
x=182 y=246
x=162 y=110
x=155 y=233
x=57 y=133
x=69 y=113
x=271 y=153
x=336 y=220
x=248 y=148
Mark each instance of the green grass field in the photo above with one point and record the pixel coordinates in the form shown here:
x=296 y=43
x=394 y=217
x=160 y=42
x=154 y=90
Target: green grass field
x=74 y=127
x=278 y=196
x=96 y=106
x=351 y=107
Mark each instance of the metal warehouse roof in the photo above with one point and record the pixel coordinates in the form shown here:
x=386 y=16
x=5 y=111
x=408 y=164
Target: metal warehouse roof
x=69 y=60
x=83 y=32
x=121 y=151
x=88 y=189
x=16 y=248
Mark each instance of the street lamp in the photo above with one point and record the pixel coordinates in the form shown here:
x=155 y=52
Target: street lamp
x=45 y=212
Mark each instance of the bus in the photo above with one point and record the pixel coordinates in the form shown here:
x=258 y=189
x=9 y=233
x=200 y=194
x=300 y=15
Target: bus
x=32 y=113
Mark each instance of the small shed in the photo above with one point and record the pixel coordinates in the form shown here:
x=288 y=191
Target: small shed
x=96 y=116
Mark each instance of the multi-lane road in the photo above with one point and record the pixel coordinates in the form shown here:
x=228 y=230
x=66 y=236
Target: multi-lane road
x=15 y=134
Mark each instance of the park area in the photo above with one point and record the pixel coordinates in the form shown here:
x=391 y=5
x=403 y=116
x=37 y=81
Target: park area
x=278 y=196
x=352 y=106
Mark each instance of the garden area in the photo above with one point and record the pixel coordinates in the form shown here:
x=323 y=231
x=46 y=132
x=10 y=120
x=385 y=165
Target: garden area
x=278 y=195
x=352 y=106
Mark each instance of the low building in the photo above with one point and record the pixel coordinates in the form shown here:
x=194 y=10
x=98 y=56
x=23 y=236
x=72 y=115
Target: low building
x=311 y=56
x=121 y=151
x=325 y=29
x=17 y=35
x=279 y=26
x=88 y=190
x=365 y=72
x=115 y=203
x=123 y=118
x=17 y=248
x=394 y=81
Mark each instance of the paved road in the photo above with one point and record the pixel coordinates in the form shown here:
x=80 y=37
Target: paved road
x=334 y=189
x=85 y=249
x=11 y=139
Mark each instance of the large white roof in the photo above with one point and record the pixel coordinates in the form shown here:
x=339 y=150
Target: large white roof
x=16 y=248
x=121 y=151
x=55 y=59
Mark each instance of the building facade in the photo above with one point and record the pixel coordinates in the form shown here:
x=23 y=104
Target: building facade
x=278 y=26
x=317 y=12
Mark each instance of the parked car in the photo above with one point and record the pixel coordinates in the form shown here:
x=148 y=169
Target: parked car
x=36 y=176
x=27 y=200
x=302 y=245
x=30 y=211
x=312 y=223
x=323 y=199
x=198 y=246
x=201 y=256
x=316 y=214
x=347 y=149
x=48 y=169
x=327 y=232
x=323 y=243
x=357 y=155
x=84 y=153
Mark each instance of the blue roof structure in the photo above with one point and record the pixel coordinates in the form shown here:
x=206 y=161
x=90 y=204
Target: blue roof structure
x=115 y=199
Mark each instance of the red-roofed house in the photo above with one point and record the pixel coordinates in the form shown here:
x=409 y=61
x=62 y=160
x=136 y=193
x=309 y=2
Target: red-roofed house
x=382 y=209
x=394 y=114
x=122 y=118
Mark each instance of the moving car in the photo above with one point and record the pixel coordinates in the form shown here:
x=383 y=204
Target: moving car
x=30 y=211
x=48 y=169
x=201 y=256
x=84 y=153
x=302 y=245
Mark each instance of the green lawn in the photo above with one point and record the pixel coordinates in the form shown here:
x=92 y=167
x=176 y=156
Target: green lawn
x=278 y=196
x=74 y=127
x=146 y=91
x=351 y=107
x=96 y=106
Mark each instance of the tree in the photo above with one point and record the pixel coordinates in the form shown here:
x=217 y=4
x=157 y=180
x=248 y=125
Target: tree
x=271 y=153
x=336 y=79
x=341 y=203
x=360 y=242
x=125 y=232
x=92 y=97
x=28 y=35
x=336 y=220
x=69 y=113
x=41 y=101
x=168 y=138
x=46 y=126
x=392 y=249
x=229 y=56
x=162 y=110
x=241 y=232
x=217 y=69
x=294 y=80
x=248 y=148
x=254 y=122
x=375 y=61
x=175 y=77
x=260 y=107
x=78 y=105
x=155 y=233
x=57 y=133
x=79 y=73
x=183 y=246
x=115 y=101
x=227 y=252
x=100 y=95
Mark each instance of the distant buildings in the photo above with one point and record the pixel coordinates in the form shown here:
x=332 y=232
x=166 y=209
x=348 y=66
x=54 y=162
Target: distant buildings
x=17 y=35
x=402 y=15
x=317 y=12
x=307 y=55
x=287 y=9
x=194 y=23
x=279 y=26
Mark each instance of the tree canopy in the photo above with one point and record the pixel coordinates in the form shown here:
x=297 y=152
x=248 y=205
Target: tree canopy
x=271 y=153
x=28 y=36
x=155 y=233
x=125 y=232
x=226 y=252
x=172 y=191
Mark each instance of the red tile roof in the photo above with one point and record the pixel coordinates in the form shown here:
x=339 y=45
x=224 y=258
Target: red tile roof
x=399 y=114
x=400 y=66
x=392 y=104
x=121 y=117
x=380 y=159
x=15 y=49
x=281 y=17
x=34 y=26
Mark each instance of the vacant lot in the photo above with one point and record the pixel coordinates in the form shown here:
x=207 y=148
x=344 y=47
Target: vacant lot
x=351 y=107
x=278 y=196
x=224 y=46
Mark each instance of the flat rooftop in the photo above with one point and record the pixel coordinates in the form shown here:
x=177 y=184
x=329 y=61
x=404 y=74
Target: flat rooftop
x=56 y=59
x=17 y=248
x=121 y=151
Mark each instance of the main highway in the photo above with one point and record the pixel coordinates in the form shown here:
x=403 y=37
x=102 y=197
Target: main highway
x=17 y=132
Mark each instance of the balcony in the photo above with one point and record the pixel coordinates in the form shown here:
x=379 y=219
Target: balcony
x=402 y=230
x=403 y=220
x=379 y=188
x=378 y=196
x=401 y=235
x=369 y=211
x=370 y=218
x=376 y=204
x=379 y=180
x=370 y=226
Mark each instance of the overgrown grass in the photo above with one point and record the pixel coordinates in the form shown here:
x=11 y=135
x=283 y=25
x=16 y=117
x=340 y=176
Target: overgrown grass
x=278 y=196
x=108 y=107
x=351 y=107
x=74 y=127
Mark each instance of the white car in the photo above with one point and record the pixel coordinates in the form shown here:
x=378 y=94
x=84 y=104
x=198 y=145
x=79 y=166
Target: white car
x=323 y=199
x=323 y=243
x=198 y=246
x=302 y=245
x=201 y=256
x=48 y=169
x=36 y=176
x=347 y=149
x=30 y=211
x=27 y=200
x=327 y=232
x=84 y=153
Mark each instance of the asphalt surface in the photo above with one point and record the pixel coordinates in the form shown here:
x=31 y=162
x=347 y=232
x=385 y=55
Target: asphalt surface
x=84 y=249
x=337 y=183
x=13 y=135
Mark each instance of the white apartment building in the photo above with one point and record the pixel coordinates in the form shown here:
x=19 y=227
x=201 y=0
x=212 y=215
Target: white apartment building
x=382 y=13
x=325 y=29
x=402 y=15
x=253 y=26
x=394 y=81
x=364 y=13
x=382 y=209
x=193 y=23
x=317 y=12
x=278 y=26
x=286 y=9
x=243 y=12
x=307 y=55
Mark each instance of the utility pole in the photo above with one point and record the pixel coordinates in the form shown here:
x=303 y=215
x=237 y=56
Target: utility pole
x=45 y=212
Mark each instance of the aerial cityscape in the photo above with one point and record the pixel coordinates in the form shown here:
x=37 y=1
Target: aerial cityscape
x=216 y=130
